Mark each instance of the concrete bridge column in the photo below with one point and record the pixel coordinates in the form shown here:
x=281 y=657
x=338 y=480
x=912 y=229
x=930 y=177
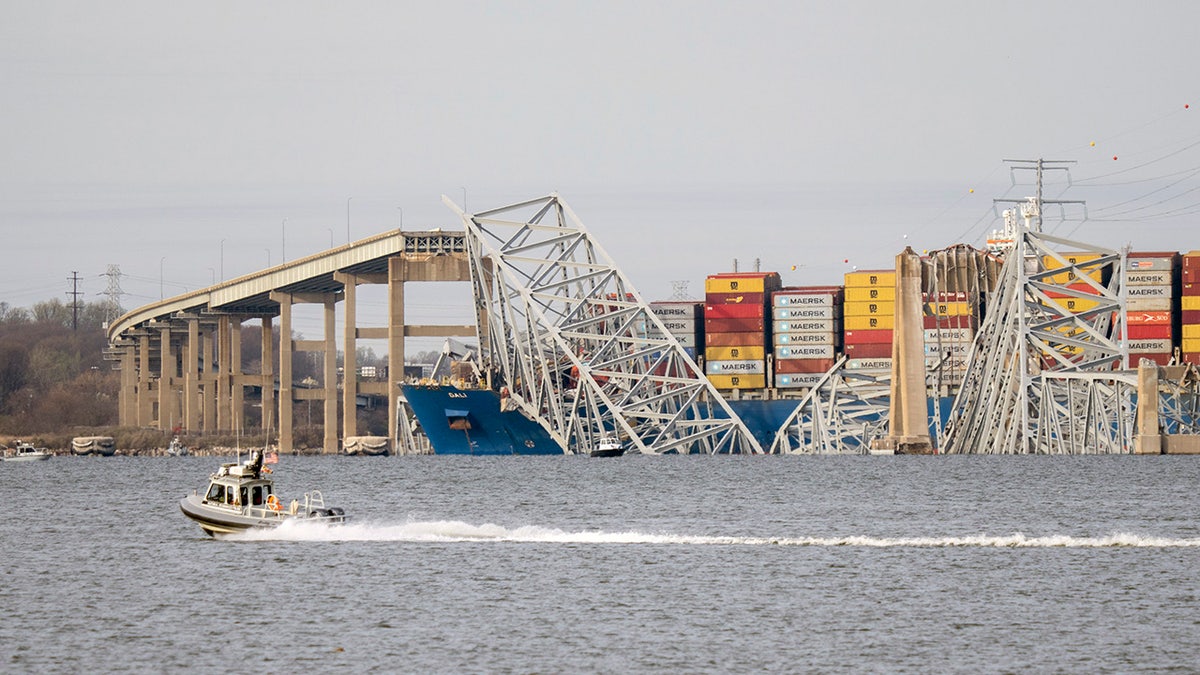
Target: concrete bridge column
x=166 y=377
x=208 y=380
x=349 y=355
x=330 y=384
x=237 y=415
x=191 y=379
x=224 y=384
x=286 y=439
x=268 y=376
x=145 y=402
x=127 y=398
x=397 y=273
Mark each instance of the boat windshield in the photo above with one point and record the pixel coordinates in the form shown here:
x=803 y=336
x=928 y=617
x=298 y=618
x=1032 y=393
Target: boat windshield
x=216 y=493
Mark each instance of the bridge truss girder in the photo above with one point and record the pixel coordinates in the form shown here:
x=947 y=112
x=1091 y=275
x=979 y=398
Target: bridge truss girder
x=841 y=415
x=576 y=346
x=1043 y=378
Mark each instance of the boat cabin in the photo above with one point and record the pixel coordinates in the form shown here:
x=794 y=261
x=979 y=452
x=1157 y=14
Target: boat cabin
x=239 y=486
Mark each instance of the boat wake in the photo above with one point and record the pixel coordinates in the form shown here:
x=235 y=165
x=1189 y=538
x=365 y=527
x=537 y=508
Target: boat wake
x=456 y=531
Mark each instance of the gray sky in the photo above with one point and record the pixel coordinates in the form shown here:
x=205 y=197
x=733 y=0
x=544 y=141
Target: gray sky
x=684 y=134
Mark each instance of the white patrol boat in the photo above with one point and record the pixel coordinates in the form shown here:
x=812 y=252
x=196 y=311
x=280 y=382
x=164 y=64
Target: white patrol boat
x=25 y=452
x=240 y=497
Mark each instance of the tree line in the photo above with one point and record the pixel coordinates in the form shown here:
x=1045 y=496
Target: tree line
x=54 y=379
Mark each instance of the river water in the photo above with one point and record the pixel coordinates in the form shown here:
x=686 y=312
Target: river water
x=632 y=564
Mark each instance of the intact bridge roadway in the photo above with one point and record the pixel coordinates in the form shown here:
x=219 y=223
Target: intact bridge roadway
x=180 y=358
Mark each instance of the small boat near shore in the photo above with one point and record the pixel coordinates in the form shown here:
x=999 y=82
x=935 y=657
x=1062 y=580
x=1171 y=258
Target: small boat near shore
x=176 y=448
x=25 y=452
x=241 y=497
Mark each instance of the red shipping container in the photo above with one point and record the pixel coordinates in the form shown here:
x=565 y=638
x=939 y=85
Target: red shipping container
x=869 y=350
x=735 y=339
x=747 y=325
x=789 y=366
x=1160 y=359
x=1191 y=287
x=1080 y=286
x=867 y=336
x=735 y=299
x=963 y=321
x=1154 y=332
x=1190 y=317
x=1192 y=358
x=735 y=311
x=1147 y=318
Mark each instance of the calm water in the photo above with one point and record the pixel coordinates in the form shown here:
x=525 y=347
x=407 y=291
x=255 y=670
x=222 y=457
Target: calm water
x=636 y=564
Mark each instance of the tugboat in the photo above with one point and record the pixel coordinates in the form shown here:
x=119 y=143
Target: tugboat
x=25 y=452
x=610 y=446
x=240 y=497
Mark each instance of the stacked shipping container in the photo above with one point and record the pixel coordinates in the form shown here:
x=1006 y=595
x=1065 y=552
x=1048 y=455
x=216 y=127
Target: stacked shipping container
x=1151 y=282
x=807 y=333
x=1189 y=305
x=684 y=320
x=737 y=328
x=950 y=322
x=1070 y=300
x=869 y=316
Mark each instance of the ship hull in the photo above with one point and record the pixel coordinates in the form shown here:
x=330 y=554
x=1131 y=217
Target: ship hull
x=469 y=422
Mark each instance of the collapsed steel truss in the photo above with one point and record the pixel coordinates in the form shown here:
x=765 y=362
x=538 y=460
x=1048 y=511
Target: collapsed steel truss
x=1047 y=373
x=841 y=415
x=576 y=348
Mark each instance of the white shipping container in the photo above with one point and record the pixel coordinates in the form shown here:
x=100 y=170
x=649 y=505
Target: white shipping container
x=826 y=338
x=952 y=348
x=932 y=335
x=744 y=367
x=785 y=299
x=792 y=380
x=952 y=363
x=802 y=313
x=805 y=352
x=868 y=364
x=811 y=326
x=673 y=310
x=1139 y=278
x=1160 y=346
x=1148 y=292
x=688 y=340
x=1144 y=264
x=678 y=326
x=1148 y=305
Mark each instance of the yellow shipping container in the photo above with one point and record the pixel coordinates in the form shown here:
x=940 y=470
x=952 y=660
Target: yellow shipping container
x=1191 y=330
x=869 y=278
x=740 y=353
x=870 y=293
x=948 y=309
x=1075 y=305
x=887 y=322
x=738 y=284
x=1190 y=344
x=738 y=381
x=1190 y=302
x=878 y=308
x=1070 y=277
